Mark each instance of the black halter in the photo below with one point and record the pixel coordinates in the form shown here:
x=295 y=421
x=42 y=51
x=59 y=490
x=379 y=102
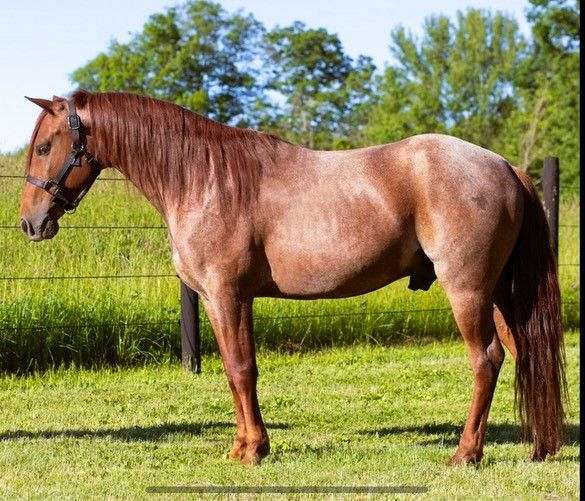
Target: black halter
x=56 y=187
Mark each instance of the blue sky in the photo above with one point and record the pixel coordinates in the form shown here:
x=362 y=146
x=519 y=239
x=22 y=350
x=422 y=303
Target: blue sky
x=42 y=42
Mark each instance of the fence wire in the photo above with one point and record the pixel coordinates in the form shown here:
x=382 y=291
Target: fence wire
x=21 y=176
x=204 y=319
x=91 y=277
x=169 y=275
x=115 y=277
x=104 y=227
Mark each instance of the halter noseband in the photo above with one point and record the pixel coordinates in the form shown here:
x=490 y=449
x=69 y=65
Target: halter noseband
x=56 y=187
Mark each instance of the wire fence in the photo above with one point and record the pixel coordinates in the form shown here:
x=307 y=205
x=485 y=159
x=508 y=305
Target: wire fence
x=308 y=316
x=21 y=176
x=82 y=227
x=90 y=277
x=169 y=275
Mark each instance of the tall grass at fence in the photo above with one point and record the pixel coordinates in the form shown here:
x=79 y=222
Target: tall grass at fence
x=102 y=321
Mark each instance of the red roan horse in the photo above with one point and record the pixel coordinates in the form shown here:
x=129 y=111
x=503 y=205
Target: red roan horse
x=251 y=215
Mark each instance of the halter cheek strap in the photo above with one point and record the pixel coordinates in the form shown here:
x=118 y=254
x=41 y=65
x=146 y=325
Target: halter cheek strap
x=56 y=186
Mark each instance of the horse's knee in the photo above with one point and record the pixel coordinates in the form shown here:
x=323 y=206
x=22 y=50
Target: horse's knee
x=241 y=376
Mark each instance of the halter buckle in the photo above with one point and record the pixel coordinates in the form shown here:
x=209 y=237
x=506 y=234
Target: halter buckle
x=74 y=122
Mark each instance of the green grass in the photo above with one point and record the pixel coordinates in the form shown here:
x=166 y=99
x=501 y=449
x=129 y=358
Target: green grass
x=94 y=323
x=351 y=415
x=346 y=416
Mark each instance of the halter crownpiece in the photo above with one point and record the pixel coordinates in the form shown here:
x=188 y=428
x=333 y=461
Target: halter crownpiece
x=56 y=187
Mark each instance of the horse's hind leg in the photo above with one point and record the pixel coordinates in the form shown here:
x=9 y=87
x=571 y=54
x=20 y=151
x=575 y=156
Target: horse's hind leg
x=471 y=275
x=503 y=312
x=473 y=310
x=504 y=332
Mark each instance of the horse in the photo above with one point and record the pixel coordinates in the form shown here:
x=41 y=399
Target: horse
x=252 y=215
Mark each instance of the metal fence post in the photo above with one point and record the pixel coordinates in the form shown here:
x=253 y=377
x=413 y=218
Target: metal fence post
x=190 y=334
x=550 y=191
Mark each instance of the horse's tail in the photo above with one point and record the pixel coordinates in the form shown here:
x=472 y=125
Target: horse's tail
x=535 y=303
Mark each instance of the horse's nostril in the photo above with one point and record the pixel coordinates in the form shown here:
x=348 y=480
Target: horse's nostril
x=27 y=227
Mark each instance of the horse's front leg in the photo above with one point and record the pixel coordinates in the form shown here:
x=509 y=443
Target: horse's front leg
x=231 y=319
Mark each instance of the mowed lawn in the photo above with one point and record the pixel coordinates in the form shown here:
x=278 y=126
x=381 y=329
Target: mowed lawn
x=348 y=416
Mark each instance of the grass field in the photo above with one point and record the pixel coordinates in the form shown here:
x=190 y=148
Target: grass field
x=135 y=320
x=386 y=410
x=346 y=416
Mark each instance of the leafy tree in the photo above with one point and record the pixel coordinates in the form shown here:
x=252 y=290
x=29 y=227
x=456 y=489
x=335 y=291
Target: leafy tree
x=474 y=77
x=555 y=25
x=457 y=79
x=319 y=91
x=546 y=121
x=549 y=121
x=196 y=55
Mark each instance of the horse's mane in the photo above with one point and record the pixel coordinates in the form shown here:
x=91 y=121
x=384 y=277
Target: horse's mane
x=168 y=151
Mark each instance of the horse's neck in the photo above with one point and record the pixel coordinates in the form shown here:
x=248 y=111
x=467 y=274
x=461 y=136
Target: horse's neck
x=283 y=156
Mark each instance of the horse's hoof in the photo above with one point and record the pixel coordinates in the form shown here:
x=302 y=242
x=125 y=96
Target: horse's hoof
x=251 y=459
x=234 y=454
x=538 y=456
x=461 y=459
x=237 y=451
x=255 y=452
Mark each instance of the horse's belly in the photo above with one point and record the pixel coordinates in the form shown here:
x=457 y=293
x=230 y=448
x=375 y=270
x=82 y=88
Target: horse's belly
x=322 y=267
x=346 y=232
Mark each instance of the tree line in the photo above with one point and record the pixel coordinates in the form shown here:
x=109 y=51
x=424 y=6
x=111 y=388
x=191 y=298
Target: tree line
x=475 y=76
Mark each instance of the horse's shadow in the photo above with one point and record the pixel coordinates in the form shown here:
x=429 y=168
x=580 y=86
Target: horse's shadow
x=153 y=433
x=448 y=433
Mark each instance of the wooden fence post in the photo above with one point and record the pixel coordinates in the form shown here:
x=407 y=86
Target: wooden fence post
x=190 y=334
x=550 y=191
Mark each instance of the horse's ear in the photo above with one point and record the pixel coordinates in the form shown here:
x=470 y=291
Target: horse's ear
x=43 y=103
x=58 y=103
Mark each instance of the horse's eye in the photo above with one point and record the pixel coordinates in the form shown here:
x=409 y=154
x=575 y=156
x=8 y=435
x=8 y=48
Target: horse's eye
x=43 y=149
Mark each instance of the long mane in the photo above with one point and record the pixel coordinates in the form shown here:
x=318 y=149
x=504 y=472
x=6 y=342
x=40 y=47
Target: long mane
x=169 y=152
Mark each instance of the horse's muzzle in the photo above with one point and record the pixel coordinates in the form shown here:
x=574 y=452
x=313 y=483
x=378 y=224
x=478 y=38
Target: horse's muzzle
x=45 y=229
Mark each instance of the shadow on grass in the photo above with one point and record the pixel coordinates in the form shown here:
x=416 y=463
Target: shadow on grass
x=448 y=433
x=153 y=433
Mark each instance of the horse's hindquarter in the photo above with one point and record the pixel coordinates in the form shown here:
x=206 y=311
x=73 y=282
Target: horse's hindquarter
x=468 y=208
x=337 y=224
